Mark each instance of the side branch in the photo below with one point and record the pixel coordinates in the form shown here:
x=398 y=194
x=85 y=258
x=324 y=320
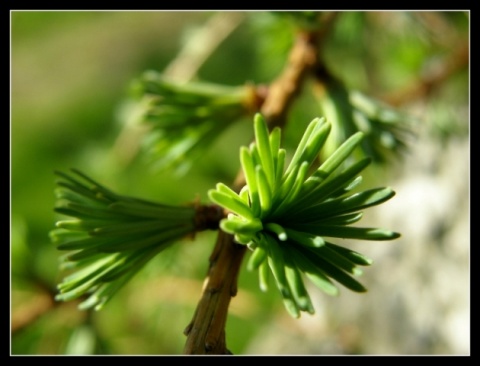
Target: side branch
x=283 y=91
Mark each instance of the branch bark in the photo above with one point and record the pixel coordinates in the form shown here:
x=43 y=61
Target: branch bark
x=206 y=332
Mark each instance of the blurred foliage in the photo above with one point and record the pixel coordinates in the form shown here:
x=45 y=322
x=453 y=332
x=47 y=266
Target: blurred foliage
x=70 y=71
x=186 y=118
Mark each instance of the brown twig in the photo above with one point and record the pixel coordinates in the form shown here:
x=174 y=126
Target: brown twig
x=44 y=302
x=427 y=83
x=29 y=313
x=206 y=332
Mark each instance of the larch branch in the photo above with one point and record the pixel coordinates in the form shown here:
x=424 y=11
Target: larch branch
x=206 y=332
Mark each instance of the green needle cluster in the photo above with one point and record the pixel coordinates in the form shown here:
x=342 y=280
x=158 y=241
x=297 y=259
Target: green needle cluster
x=185 y=118
x=386 y=130
x=110 y=238
x=286 y=215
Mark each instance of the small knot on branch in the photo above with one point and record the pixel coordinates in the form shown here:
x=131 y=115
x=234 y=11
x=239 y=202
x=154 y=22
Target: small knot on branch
x=207 y=217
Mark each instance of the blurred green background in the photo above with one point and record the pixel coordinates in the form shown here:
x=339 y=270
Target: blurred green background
x=70 y=78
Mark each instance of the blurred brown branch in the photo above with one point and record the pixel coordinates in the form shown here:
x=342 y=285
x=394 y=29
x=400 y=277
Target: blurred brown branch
x=43 y=301
x=27 y=314
x=433 y=79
